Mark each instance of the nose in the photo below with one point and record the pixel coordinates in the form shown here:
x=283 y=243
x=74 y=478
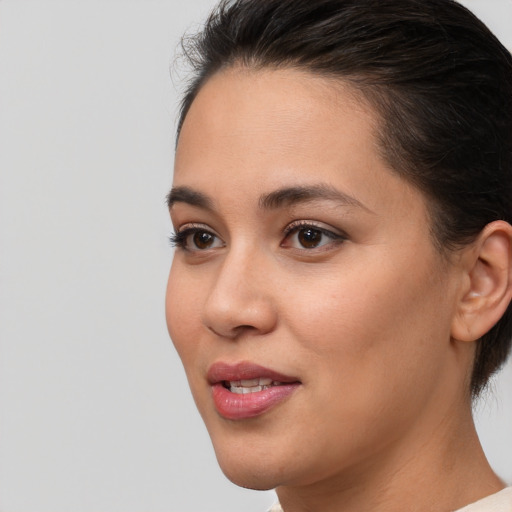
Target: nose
x=241 y=299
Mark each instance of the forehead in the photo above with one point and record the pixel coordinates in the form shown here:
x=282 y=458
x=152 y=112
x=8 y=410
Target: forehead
x=256 y=130
x=287 y=103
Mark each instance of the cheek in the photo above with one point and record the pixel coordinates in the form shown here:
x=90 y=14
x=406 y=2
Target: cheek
x=182 y=311
x=369 y=346
x=373 y=321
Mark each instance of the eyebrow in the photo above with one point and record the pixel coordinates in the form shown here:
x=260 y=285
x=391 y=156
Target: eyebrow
x=189 y=196
x=289 y=196
x=286 y=196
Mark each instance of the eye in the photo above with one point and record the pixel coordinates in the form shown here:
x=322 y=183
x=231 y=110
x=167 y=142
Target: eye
x=308 y=235
x=195 y=238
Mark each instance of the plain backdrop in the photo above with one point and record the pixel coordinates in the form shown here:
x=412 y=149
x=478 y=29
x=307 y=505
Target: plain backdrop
x=95 y=411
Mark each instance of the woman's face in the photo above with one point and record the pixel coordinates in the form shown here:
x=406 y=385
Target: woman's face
x=306 y=300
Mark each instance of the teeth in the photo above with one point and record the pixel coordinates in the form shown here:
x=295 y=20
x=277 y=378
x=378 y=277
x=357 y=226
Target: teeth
x=245 y=386
x=249 y=383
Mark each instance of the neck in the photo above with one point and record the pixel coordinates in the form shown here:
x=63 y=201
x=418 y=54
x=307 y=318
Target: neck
x=447 y=471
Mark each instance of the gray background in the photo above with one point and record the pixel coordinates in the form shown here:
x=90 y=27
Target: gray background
x=95 y=412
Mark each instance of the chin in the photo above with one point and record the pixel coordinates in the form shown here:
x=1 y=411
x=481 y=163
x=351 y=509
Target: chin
x=249 y=465
x=258 y=479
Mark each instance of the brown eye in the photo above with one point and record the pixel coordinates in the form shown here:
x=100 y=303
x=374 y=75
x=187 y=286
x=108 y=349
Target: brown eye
x=195 y=239
x=309 y=237
x=203 y=239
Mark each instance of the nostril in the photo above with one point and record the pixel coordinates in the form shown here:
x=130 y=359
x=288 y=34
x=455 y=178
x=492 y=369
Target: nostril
x=245 y=328
x=234 y=332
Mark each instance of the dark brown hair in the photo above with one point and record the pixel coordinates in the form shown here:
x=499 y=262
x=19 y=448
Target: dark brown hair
x=441 y=82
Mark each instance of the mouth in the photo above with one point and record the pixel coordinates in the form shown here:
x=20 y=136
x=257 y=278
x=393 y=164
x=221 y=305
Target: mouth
x=245 y=386
x=246 y=390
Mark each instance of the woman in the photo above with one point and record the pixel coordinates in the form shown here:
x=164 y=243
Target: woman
x=342 y=279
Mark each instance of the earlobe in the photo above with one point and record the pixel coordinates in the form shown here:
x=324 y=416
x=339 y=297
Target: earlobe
x=488 y=283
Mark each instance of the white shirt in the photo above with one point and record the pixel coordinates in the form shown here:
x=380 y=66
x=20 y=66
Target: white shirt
x=499 y=502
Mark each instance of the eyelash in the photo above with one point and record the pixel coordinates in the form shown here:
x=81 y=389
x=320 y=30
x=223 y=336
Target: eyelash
x=179 y=238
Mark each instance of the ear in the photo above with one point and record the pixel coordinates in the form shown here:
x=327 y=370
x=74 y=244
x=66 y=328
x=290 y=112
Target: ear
x=487 y=283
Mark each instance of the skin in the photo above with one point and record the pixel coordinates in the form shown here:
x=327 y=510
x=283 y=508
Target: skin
x=365 y=320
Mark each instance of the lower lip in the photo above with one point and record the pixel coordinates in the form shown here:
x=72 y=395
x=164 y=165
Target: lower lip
x=234 y=406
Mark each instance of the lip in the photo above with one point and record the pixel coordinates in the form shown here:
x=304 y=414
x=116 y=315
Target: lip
x=220 y=371
x=234 y=406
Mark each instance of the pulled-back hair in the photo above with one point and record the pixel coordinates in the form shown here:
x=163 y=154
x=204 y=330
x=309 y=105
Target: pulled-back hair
x=438 y=78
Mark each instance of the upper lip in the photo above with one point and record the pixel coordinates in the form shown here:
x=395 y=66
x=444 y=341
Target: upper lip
x=244 y=370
